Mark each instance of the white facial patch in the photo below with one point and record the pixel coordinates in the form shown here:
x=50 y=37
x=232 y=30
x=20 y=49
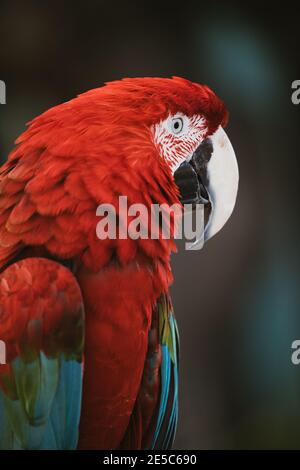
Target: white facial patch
x=178 y=136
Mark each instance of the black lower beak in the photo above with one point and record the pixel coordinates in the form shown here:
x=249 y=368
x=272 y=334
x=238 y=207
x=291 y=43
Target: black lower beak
x=192 y=190
x=191 y=177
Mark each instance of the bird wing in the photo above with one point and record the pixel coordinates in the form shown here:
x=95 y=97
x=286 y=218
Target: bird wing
x=42 y=326
x=154 y=419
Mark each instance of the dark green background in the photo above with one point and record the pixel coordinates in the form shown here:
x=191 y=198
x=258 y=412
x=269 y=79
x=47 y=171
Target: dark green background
x=237 y=300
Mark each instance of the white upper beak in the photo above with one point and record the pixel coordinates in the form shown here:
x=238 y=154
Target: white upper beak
x=223 y=178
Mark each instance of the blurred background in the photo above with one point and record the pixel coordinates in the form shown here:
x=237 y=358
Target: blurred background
x=238 y=299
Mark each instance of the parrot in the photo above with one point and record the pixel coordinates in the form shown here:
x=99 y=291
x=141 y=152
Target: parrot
x=92 y=345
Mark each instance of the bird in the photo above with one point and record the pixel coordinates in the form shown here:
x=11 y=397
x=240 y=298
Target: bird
x=92 y=345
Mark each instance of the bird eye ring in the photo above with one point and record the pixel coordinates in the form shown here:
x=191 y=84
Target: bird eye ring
x=177 y=125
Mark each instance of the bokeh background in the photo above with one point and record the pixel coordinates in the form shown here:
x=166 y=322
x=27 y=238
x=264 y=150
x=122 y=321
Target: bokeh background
x=237 y=300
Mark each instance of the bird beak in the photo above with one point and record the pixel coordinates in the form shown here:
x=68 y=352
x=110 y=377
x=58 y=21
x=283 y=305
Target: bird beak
x=210 y=178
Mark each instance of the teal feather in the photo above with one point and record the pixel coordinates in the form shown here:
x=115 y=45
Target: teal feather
x=168 y=407
x=165 y=383
x=46 y=415
x=174 y=414
x=41 y=387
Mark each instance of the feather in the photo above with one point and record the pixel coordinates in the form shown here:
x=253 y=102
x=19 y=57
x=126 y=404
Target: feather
x=156 y=408
x=69 y=160
x=41 y=387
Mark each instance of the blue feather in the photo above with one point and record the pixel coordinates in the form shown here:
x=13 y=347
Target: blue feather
x=47 y=416
x=165 y=383
x=169 y=374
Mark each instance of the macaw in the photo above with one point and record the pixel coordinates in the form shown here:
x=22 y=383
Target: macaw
x=89 y=328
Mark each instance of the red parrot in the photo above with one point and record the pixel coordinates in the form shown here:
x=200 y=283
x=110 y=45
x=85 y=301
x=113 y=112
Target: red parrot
x=88 y=324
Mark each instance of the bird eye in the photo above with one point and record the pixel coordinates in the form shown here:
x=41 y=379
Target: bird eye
x=177 y=125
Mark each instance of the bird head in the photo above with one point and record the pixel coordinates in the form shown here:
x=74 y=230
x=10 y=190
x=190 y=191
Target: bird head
x=155 y=140
x=193 y=142
x=185 y=123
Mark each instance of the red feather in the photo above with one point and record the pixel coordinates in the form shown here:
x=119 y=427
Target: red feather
x=72 y=158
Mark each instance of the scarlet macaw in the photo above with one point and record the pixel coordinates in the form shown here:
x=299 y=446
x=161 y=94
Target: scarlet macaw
x=92 y=342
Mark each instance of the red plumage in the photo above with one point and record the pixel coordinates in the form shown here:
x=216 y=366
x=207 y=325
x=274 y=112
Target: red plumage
x=73 y=157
